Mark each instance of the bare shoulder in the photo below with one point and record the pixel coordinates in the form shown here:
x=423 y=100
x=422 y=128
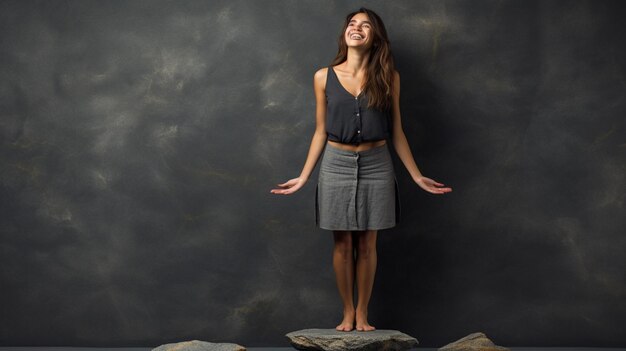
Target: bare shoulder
x=396 y=82
x=319 y=79
x=396 y=75
x=320 y=74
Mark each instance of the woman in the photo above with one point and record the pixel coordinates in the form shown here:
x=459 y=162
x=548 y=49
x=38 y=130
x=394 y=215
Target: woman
x=358 y=109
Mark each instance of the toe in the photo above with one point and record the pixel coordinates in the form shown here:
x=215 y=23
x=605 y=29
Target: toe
x=343 y=327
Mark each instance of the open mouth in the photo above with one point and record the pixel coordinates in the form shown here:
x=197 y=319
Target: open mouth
x=356 y=36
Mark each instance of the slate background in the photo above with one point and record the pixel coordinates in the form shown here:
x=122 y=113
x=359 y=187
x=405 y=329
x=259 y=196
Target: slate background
x=139 y=141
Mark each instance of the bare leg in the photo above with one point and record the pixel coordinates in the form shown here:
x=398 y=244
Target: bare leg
x=365 y=272
x=343 y=263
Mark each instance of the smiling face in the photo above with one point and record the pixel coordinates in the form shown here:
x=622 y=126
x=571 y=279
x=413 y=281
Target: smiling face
x=359 y=31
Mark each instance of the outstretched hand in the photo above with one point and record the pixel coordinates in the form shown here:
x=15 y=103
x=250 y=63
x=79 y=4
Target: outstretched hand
x=289 y=187
x=432 y=186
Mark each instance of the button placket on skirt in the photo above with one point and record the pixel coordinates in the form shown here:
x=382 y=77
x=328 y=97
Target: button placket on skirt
x=355 y=188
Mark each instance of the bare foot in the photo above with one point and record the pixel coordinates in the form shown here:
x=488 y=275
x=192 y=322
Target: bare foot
x=361 y=322
x=348 y=321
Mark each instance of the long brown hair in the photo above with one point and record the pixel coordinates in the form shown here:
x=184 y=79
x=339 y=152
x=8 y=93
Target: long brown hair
x=380 y=68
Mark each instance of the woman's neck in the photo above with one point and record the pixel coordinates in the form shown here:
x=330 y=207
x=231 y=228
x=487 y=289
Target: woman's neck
x=356 y=60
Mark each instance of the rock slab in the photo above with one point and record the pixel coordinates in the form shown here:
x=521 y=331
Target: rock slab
x=474 y=342
x=198 y=345
x=334 y=340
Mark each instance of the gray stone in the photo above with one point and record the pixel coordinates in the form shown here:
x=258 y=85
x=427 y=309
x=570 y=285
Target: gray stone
x=474 y=342
x=197 y=345
x=334 y=340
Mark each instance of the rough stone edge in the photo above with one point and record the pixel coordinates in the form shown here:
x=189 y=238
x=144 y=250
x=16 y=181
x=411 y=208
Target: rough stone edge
x=304 y=342
x=455 y=345
x=175 y=346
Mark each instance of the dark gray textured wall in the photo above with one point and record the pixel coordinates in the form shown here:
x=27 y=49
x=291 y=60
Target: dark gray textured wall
x=139 y=141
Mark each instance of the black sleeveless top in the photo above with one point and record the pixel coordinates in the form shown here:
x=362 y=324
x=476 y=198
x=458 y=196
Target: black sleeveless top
x=348 y=120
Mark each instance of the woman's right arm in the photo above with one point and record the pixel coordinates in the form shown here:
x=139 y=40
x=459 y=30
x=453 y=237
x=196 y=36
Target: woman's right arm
x=319 y=137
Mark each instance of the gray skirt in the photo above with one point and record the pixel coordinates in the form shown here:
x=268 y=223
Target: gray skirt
x=357 y=190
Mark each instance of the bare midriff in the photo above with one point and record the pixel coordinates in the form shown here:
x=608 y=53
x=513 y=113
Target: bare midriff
x=360 y=147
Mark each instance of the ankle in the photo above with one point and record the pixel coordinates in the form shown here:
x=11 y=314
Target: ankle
x=361 y=312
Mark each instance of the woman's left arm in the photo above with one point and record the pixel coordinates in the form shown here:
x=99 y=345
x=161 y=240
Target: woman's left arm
x=403 y=150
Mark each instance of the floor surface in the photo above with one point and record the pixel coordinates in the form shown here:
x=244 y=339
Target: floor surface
x=61 y=348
